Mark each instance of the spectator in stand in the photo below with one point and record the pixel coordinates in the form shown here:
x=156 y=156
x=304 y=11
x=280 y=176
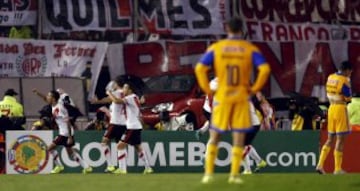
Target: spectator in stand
x=45 y=121
x=101 y=120
x=86 y=74
x=20 y=32
x=354 y=112
x=305 y=113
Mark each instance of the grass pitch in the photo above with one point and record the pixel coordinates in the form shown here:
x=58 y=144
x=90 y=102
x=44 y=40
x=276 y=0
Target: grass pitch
x=178 y=182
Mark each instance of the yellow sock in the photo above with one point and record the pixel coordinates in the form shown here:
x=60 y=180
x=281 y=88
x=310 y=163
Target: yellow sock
x=338 y=156
x=237 y=157
x=323 y=155
x=211 y=154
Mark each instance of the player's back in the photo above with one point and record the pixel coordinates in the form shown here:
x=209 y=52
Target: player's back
x=117 y=111
x=61 y=117
x=233 y=66
x=132 y=104
x=334 y=85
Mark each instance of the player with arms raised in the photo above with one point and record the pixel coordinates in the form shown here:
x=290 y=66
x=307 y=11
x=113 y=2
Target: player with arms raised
x=66 y=134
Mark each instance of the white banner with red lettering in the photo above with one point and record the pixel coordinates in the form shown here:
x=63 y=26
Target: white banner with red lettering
x=37 y=58
x=18 y=12
x=298 y=10
x=170 y=17
x=273 y=31
x=296 y=66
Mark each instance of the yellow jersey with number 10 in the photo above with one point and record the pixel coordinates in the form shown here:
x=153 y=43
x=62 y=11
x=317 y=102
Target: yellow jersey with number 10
x=233 y=65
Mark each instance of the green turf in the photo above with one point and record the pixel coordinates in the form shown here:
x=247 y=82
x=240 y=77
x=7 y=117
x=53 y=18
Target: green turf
x=178 y=182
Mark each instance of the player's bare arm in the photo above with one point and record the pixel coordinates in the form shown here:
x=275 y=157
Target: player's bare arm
x=114 y=99
x=41 y=95
x=263 y=75
x=104 y=100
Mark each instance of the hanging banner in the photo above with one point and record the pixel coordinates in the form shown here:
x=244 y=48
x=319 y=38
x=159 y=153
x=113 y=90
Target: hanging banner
x=26 y=152
x=299 y=11
x=275 y=31
x=18 y=12
x=168 y=17
x=38 y=58
x=296 y=66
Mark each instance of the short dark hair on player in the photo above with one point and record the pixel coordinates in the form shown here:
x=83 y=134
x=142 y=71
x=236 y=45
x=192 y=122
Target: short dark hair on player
x=131 y=85
x=235 y=24
x=345 y=65
x=55 y=94
x=120 y=80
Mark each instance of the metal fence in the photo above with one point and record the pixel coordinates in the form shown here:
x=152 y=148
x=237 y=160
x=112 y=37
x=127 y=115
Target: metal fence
x=32 y=103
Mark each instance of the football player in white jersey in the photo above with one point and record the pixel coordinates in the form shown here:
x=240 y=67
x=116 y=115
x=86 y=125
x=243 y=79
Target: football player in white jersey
x=66 y=135
x=117 y=125
x=249 y=150
x=70 y=105
x=134 y=128
x=207 y=107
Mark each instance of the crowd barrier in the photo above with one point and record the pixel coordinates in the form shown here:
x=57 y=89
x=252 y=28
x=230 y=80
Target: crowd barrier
x=350 y=155
x=32 y=103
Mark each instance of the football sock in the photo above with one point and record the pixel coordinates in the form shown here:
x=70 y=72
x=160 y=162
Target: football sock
x=237 y=156
x=338 y=156
x=246 y=163
x=323 y=155
x=122 y=159
x=76 y=156
x=246 y=151
x=254 y=155
x=144 y=157
x=205 y=127
x=107 y=154
x=210 y=156
x=56 y=157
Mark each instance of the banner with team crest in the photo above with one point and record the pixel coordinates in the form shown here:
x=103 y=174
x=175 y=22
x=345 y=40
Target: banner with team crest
x=18 y=12
x=40 y=58
x=26 y=152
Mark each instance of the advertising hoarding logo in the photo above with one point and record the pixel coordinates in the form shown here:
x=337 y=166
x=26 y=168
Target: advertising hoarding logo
x=28 y=154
